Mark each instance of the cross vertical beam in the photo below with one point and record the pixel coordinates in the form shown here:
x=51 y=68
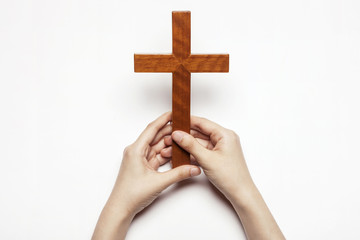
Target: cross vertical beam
x=181 y=38
x=181 y=83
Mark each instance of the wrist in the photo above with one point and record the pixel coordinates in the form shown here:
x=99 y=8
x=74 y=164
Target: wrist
x=113 y=223
x=244 y=196
x=119 y=211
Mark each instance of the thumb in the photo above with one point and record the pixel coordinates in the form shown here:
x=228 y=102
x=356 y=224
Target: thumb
x=180 y=173
x=190 y=144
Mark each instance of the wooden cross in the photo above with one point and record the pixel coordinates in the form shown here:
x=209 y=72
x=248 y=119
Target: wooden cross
x=181 y=63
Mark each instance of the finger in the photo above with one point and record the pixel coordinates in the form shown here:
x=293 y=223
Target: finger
x=168 y=140
x=147 y=136
x=193 y=161
x=190 y=144
x=207 y=127
x=157 y=148
x=163 y=132
x=178 y=174
x=198 y=134
x=158 y=161
x=205 y=143
x=166 y=152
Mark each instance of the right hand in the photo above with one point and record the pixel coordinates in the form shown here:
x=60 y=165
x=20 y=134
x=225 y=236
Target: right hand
x=218 y=151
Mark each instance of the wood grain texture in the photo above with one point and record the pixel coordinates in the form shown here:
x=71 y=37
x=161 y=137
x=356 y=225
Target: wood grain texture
x=155 y=63
x=181 y=63
x=181 y=42
x=181 y=34
x=207 y=63
x=180 y=112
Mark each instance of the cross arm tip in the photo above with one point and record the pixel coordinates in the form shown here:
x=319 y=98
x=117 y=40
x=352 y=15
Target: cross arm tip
x=185 y=11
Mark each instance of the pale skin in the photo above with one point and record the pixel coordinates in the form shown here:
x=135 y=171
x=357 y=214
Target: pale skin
x=215 y=149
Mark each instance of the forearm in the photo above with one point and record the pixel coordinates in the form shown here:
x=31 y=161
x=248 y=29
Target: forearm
x=113 y=223
x=255 y=216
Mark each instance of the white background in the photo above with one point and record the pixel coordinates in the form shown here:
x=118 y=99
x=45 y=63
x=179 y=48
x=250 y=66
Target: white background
x=70 y=102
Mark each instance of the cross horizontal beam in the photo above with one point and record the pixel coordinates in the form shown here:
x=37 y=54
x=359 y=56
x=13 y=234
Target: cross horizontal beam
x=207 y=63
x=169 y=63
x=155 y=63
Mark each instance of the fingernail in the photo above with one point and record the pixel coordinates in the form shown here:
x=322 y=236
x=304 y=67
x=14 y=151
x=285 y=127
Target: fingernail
x=194 y=172
x=177 y=136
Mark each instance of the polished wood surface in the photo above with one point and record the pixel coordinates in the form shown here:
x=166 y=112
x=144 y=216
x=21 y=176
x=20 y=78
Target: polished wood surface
x=155 y=63
x=181 y=63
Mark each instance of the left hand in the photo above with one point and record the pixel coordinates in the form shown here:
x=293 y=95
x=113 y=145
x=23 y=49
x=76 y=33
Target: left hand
x=139 y=182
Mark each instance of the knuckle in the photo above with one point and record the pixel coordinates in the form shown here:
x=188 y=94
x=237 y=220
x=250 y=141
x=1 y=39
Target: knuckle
x=184 y=173
x=166 y=130
x=233 y=135
x=128 y=151
x=202 y=119
x=169 y=127
x=150 y=125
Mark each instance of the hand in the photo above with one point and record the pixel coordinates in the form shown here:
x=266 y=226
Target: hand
x=218 y=151
x=139 y=183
